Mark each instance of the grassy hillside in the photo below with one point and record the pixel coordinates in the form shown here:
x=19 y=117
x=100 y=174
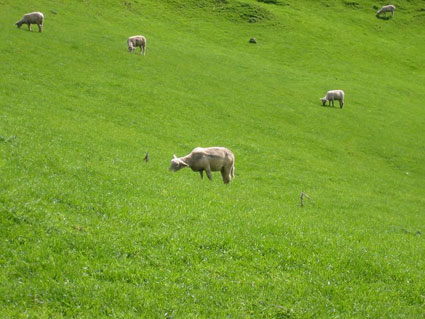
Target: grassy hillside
x=89 y=230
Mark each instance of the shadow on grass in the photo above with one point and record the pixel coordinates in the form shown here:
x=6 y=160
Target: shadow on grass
x=28 y=30
x=332 y=107
x=384 y=18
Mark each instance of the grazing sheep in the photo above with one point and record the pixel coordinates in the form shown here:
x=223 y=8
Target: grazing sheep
x=32 y=18
x=385 y=9
x=334 y=95
x=207 y=159
x=137 y=41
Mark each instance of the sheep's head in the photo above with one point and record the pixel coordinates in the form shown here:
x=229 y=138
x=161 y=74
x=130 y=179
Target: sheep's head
x=131 y=49
x=324 y=100
x=177 y=164
x=18 y=24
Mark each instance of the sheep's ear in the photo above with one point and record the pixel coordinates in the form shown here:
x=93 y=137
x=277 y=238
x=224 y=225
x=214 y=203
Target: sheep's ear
x=184 y=163
x=174 y=156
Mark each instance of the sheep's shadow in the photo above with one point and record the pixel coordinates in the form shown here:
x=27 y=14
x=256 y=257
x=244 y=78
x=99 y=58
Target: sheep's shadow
x=332 y=107
x=27 y=30
x=384 y=18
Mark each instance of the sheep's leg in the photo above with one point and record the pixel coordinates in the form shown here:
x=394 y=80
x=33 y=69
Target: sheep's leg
x=202 y=174
x=209 y=174
x=29 y=26
x=40 y=27
x=226 y=175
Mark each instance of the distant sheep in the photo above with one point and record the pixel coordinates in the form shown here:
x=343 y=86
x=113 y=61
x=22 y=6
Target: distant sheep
x=385 y=9
x=207 y=159
x=137 y=41
x=334 y=95
x=32 y=18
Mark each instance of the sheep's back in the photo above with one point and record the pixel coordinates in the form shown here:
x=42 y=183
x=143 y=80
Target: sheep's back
x=33 y=17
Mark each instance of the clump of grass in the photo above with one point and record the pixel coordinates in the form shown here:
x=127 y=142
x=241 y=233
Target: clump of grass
x=233 y=10
x=269 y=1
x=352 y=4
x=250 y=13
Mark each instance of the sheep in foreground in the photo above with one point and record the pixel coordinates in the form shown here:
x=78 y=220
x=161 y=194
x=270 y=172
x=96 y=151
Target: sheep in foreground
x=385 y=9
x=334 y=95
x=207 y=159
x=32 y=18
x=137 y=41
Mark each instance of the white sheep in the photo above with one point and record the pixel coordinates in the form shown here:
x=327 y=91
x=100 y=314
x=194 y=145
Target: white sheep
x=334 y=95
x=207 y=159
x=32 y=18
x=137 y=41
x=385 y=9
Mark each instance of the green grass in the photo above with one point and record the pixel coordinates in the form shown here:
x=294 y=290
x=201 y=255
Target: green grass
x=89 y=230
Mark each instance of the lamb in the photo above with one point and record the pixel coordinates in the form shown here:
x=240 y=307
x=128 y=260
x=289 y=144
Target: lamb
x=207 y=159
x=32 y=18
x=385 y=9
x=334 y=95
x=137 y=41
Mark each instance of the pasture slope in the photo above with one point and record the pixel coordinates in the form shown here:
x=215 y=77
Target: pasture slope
x=89 y=230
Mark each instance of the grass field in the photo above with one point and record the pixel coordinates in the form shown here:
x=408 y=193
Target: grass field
x=89 y=230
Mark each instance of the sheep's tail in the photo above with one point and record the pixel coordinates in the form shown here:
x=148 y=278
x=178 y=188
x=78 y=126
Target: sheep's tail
x=232 y=170
x=144 y=46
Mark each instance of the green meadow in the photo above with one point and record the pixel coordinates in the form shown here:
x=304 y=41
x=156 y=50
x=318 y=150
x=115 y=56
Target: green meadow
x=88 y=229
